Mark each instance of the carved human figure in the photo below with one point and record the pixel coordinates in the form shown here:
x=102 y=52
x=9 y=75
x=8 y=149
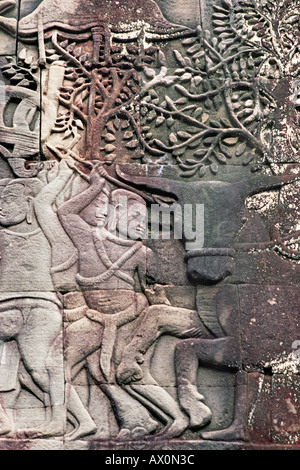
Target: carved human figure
x=159 y=320
x=30 y=310
x=107 y=267
x=200 y=348
x=106 y=281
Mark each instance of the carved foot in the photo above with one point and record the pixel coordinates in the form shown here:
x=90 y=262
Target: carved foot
x=124 y=435
x=83 y=430
x=192 y=402
x=175 y=429
x=6 y=429
x=39 y=433
x=53 y=429
x=6 y=426
x=136 y=433
x=129 y=371
x=235 y=432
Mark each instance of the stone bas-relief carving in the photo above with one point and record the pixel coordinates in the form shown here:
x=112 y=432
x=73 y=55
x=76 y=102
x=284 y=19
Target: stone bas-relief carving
x=109 y=332
x=30 y=308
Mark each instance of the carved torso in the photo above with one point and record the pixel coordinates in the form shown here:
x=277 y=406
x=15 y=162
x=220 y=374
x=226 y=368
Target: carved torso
x=25 y=261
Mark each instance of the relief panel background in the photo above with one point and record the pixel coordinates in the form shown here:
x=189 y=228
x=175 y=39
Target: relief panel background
x=199 y=352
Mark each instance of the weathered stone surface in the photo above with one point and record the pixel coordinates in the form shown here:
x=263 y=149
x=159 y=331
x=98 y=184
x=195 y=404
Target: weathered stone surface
x=260 y=309
x=273 y=401
x=149 y=225
x=285 y=410
x=259 y=426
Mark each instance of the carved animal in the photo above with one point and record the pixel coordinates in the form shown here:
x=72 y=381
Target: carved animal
x=223 y=217
x=121 y=16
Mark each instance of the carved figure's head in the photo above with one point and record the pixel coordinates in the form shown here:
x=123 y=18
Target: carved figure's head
x=130 y=218
x=96 y=212
x=16 y=200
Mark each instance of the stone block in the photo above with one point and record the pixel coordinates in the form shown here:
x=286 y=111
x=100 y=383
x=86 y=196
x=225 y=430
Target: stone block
x=269 y=324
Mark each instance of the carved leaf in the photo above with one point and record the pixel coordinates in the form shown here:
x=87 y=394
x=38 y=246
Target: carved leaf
x=186 y=77
x=220 y=157
x=109 y=148
x=152 y=115
x=161 y=58
x=160 y=120
x=109 y=137
x=67 y=133
x=198 y=112
x=132 y=145
x=150 y=73
x=189 y=41
x=202 y=170
x=248 y=159
x=189 y=173
x=179 y=58
x=170 y=122
x=172 y=138
x=194 y=144
x=79 y=124
x=199 y=153
x=128 y=135
x=215 y=123
x=230 y=141
x=183 y=135
x=225 y=150
x=179 y=152
x=117 y=124
x=214 y=168
x=241 y=149
x=194 y=49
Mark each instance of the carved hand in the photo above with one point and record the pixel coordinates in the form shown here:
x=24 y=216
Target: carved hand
x=97 y=174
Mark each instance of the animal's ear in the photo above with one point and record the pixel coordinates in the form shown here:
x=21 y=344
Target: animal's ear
x=264 y=182
x=166 y=185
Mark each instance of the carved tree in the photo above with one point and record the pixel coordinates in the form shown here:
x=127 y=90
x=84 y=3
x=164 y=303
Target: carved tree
x=232 y=93
x=103 y=88
x=233 y=88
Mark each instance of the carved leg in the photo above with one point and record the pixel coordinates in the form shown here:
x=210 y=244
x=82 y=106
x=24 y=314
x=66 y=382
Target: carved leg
x=82 y=338
x=158 y=396
x=186 y=367
x=158 y=320
x=133 y=418
x=236 y=430
x=6 y=426
x=42 y=328
x=28 y=383
x=86 y=425
x=135 y=421
x=189 y=354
